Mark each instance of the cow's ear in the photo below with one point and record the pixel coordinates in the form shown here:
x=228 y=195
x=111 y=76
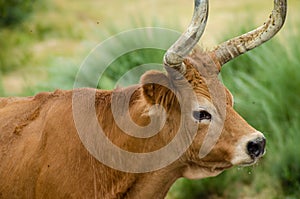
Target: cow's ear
x=156 y=87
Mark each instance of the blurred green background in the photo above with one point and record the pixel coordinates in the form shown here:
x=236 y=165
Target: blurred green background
x=43 y=43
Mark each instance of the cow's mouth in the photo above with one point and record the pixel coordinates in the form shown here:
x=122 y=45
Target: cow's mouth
x=247 y=164
x=215 y=168
x=203 y=170
x=252 y=162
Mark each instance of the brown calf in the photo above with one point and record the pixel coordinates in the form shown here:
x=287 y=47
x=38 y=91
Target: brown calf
x=51 y=144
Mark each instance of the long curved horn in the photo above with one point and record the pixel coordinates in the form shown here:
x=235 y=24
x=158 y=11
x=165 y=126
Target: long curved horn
x=239 y=45
x=182 y=47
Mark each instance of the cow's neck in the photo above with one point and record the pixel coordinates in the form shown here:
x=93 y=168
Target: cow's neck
x=144 y=185
x=153 y=185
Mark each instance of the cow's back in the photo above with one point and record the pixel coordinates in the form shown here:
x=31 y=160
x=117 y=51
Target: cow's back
x=24 y=123
x=41 y=155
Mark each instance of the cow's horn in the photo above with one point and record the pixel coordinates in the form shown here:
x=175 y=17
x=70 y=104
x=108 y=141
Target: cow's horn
x=182 y=47
x=241 y=44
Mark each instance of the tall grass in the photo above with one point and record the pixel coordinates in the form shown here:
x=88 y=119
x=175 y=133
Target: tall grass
x=16 y=33
x=62 y=71
x=1 y=86
x=14 y=11
x=28 y=44
x=60 y=74
x=11 y=57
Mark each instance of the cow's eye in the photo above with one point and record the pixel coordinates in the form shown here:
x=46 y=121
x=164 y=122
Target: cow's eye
x=201 y=115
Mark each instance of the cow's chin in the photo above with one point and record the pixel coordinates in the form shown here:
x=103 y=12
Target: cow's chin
x=195 y=171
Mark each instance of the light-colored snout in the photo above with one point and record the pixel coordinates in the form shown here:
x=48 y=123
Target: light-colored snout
x=249 y=149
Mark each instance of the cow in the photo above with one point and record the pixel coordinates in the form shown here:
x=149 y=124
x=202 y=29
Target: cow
x=50 y=144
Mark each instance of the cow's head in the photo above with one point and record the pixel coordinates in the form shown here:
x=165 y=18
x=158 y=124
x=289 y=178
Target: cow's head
x=203 y=106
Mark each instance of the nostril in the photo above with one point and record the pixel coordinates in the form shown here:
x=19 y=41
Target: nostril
x=253 y=149
x=256 y=147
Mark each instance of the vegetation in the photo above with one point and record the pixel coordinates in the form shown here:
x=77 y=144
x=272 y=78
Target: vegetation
x=264 y=82
x=14 y=11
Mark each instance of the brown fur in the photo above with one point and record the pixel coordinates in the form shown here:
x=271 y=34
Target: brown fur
x=41 y=155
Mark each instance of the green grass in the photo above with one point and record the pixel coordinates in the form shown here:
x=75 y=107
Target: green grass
x=62 y=71
x=14 y=11
x=1 y=86
x=12 y=58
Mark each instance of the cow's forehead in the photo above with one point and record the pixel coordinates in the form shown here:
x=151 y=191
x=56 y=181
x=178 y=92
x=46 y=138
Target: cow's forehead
x=196 y=80
x=201 y=72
